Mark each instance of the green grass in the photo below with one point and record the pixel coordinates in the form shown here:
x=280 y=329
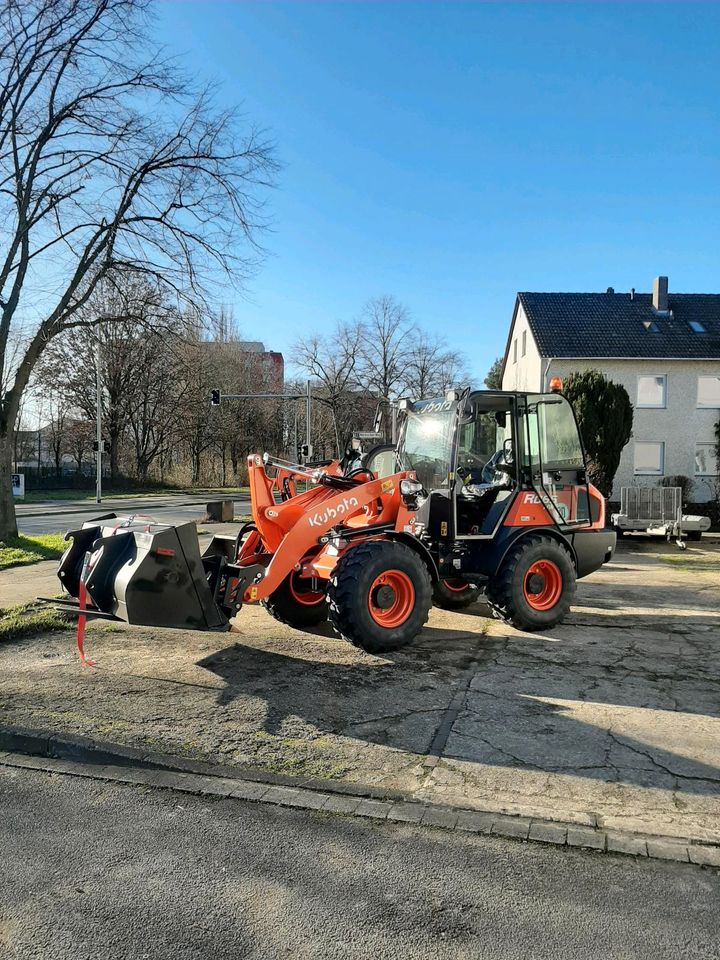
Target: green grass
x=690 y=562
x=21 y=551
x=30 y=619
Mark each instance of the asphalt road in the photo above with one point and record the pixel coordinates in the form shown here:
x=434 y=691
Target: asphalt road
x=51 y=518
x=94 y=870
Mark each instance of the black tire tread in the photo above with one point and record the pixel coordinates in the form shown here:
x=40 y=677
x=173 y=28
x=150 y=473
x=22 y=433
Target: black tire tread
x=344 y=591
x=447 y=600
x=283 y=608
x=500 y=594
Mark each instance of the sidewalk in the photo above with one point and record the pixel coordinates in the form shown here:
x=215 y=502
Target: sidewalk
x=25 y=584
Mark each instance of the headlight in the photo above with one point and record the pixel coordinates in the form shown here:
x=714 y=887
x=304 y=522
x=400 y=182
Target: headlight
x=413 y=493
x=410 y=488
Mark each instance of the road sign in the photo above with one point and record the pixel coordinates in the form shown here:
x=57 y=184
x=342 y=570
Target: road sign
x=18 y=484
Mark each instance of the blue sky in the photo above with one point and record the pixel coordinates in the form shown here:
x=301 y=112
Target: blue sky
x=454 y=153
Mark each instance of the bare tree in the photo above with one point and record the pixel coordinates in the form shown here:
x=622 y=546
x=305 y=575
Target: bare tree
x=432 y=368
x=56 y=430
x=333 y=364
x=387 y=339
x=109 y=162
x=79 y=442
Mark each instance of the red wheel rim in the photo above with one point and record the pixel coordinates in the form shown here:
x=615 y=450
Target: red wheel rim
x=391 y=598
x=302 y=592
x=457 y=586
x=543 y=585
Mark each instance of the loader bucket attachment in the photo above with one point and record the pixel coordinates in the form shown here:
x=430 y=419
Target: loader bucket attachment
x=81 y=541
x=145 y=574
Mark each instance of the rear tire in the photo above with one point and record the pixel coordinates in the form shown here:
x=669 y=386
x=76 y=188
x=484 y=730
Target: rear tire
x=380 y=596
x=454 y=594
x=694 y=535
x=295 y=605
x=535 y=585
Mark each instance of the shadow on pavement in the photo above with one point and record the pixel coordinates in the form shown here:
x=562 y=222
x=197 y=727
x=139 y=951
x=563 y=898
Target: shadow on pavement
x=623 y=709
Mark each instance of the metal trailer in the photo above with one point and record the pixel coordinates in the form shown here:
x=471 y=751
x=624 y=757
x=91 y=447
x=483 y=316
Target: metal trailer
x=657 y=510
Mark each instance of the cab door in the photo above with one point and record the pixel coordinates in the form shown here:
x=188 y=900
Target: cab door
x=556 y=460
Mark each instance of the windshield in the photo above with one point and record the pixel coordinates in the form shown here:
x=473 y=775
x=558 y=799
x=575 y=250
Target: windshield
x=426 y=442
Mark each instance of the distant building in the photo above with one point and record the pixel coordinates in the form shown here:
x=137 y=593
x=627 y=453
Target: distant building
x=664 y=348
x=273 y=363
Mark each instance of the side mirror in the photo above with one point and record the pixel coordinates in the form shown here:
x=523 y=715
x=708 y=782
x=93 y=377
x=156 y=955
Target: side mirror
x=508 y=453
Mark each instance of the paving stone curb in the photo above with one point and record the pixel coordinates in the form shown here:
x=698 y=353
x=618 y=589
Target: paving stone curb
x=37 y=751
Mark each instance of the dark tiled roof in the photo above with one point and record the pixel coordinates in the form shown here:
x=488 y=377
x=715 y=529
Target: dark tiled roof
x=611 y=325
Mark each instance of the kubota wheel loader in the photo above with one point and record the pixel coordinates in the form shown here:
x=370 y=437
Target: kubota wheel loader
x=485 y=491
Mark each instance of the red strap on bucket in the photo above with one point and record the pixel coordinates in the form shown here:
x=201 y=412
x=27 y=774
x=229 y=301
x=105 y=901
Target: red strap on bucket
x=82 y=619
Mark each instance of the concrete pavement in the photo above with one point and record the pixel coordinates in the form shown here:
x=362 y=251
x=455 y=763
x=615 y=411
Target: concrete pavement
x=609 y=720
x=105 y=871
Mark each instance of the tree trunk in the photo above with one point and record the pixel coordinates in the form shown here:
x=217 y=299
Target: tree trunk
x=8 y=523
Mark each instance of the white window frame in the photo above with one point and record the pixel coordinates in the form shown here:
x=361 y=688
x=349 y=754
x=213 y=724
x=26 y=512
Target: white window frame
x=651 y=406
x=708 y=406
x=523 y=347
x=515 y=350
x=650 y=473
x=712 y=472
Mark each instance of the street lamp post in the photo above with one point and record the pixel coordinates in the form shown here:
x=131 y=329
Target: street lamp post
x=98 y=417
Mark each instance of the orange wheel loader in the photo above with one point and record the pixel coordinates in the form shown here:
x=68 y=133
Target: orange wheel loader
x=485 y=493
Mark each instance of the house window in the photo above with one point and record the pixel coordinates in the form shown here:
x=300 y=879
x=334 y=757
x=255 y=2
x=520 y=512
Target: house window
x=652 y=391
x=524 y=343
x=697 y=326
x=649 y=457
x=708 y=392
x=515 y=351
x=705 y=460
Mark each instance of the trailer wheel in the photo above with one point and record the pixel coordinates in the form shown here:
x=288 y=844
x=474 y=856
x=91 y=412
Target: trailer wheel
x=297 y=604
x=451 y=594
x=380 y=595
x=534 y=587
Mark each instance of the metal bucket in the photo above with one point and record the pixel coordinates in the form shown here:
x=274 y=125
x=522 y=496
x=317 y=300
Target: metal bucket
x=143 y=573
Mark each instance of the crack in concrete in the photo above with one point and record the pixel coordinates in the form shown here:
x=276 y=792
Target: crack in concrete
x=656 y=763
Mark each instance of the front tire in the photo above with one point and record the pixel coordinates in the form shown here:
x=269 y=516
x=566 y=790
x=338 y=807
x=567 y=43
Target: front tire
x=535 y=585
x=296 y=604
x=380 y=596
x=451 y=594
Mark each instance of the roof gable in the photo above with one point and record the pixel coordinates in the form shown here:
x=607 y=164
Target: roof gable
x=588 y=325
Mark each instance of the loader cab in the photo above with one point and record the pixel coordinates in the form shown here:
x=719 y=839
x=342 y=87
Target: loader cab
x=462 y=451
x=473 y=452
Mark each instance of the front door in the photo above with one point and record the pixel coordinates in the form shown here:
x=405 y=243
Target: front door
x=556 y=459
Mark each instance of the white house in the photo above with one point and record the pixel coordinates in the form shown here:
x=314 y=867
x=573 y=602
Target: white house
x=664 y=349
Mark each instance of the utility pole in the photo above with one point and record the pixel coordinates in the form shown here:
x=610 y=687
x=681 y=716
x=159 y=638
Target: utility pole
x=307 y=422
x=98 y=417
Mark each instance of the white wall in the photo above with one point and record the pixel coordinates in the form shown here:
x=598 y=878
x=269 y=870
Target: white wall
x=680 y=425
x=526 y=372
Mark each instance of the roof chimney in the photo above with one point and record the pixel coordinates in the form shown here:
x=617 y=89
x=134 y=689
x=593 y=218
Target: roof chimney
x=632 y=293
x=610 y=290
x=660 y=294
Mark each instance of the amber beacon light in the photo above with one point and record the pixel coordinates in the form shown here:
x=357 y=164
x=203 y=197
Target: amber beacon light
x=556 y=385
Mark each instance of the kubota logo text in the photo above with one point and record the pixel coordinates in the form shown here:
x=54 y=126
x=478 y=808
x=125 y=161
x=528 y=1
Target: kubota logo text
x=320 y=519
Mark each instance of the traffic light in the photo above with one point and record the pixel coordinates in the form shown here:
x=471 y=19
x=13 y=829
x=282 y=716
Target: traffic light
x=215 y=398
x=306 y=451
